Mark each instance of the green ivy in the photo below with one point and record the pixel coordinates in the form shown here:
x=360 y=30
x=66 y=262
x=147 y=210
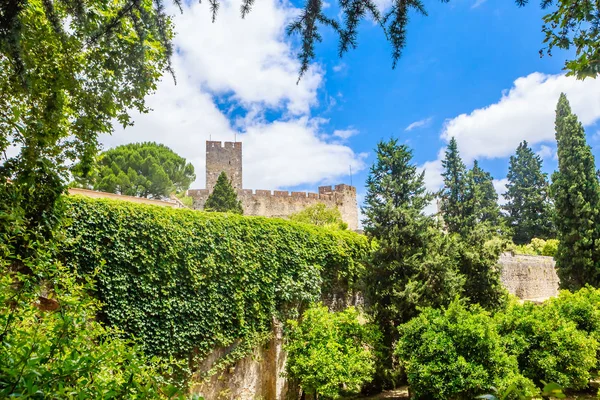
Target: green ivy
x=186 y=281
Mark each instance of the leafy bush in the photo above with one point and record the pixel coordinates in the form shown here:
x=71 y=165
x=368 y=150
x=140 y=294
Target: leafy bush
x=548 y=346
x=456 y=353
x=52 y=347
x=331 y=353
x=321 y=215
x=186 y=281
x=537 y=247
x=550 y=248
x=581 y=307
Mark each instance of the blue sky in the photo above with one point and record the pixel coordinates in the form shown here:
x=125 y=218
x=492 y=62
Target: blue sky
x=471 y=69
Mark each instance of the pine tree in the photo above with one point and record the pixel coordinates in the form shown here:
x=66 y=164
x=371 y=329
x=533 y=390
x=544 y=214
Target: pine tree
x=223 y=197
x=452 y=205
x=529 y=210
x=576 y=194
x=481 y=199
x=407 y=270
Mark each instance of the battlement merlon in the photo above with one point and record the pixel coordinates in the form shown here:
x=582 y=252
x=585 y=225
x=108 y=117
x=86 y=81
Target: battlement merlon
x=225 y=145
x=341 y=188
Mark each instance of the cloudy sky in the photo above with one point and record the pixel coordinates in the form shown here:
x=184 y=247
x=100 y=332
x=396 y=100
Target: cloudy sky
x=471 y=70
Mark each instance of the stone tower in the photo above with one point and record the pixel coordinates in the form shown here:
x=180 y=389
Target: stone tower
x=223 y=158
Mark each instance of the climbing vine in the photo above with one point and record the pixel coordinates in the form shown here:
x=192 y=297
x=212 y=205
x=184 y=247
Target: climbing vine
x=185 y=282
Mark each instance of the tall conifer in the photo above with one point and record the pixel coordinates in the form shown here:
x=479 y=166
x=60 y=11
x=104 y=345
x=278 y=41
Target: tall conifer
x=223 y=197
x=481 y=199
x=529 y=210
x=407 y=269
x=452 y=205
x=576 y=194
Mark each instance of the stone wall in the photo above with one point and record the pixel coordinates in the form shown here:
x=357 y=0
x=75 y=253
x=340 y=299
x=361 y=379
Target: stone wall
x=259 y=375
x=226 y=157
x=529 y=277
x=283 y=203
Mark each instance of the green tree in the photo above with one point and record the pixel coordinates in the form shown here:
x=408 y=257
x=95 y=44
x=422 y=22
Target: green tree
x=69 y=69
x=576 y=194
x=407 y=269
x=528 y=207
x=321 y=215
x=452 y=195
x=223 y=197
x=481 y=198
x=476 y=254
x=331 y=353
x=143 y=169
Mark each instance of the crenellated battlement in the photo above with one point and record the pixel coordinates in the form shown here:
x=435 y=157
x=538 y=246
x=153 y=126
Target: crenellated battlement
x=326 y=193
x=210 y=144
x=341 y=188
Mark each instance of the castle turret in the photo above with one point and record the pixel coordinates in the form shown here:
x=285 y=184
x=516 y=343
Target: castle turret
x=226 y=157
x=344 y=198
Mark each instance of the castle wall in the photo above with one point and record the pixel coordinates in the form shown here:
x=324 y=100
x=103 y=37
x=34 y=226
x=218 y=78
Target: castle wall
x=260 y=375
x=529 y=277
x=174 y=203
x=283 y=203
x=226 y=157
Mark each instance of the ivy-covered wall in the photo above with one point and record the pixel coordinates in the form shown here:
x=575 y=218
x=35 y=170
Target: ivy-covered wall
x=186 y=282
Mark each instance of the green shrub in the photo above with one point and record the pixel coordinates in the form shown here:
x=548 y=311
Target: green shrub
x=52 y=347
x=548 y=346
x=331 y=354
x=186 y=281
x=537 y=247
x=581 y=307
x=525 y=249
x=550 y=248
x=321 y=215
x=456 y=353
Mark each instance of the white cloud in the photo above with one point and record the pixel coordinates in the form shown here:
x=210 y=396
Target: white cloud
x=433 y=175
x=477 y=3
x=244 y=63
x=247 y=58
x=419 y=124
x=545 y=152
x=289 y=153
x=339 y=67
x=500 y=186
x=383 y=5
x=525 y=112
x=345 y=133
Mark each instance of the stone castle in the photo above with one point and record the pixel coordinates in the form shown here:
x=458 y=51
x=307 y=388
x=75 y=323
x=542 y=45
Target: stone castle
x=227 y=157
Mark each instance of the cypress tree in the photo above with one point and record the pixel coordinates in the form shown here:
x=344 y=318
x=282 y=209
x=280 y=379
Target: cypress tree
x=576 y=194
x=407 y=270
x=452 y=205
x=223 y=198
x=481 y=199
x=529 y=210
